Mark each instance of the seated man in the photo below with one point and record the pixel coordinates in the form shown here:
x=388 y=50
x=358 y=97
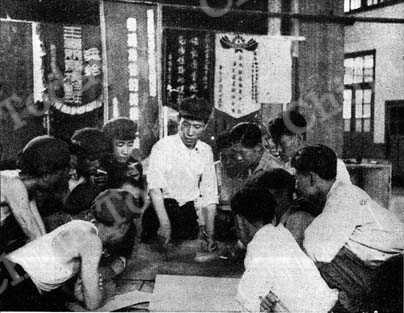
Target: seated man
x=44 y=164
x=243 y=157
x=182 y=181
x=70 y=252
x=353 y=236
x=92 y=150
x=293 y=214
x=122 y=132
x=249 y=150
x=275 y=266
x=287 y=132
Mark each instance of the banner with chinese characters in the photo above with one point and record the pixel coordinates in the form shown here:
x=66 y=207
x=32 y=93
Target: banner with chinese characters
x=73 y=67
x=188 y=65
x=131 y=56
x=251 y=70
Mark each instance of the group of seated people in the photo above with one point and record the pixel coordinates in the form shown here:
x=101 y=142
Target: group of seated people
x=312 y=241
x=69 y=209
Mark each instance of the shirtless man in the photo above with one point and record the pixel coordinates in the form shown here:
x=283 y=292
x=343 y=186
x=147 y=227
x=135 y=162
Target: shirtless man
x=43 y=174
x=70 y=252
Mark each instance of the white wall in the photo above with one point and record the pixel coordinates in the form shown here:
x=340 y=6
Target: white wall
x=388 y=41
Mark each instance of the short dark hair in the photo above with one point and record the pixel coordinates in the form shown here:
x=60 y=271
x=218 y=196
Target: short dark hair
x=122 y=202
x=247 y=134
x=254 y=204
x=121 y=128
x=195 y=108
x=278 y=179
x=290 y=123
x=91 y=143
x=319 y=159
x=44 y=155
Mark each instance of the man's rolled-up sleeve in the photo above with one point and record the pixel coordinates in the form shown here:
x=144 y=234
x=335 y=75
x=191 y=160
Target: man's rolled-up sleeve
x=155 y=174
x=208 y=186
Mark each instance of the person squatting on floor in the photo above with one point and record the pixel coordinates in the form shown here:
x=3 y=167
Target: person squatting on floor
x=353 y=238
x=38 y=275
x=275 y=265
x=288 y=133
x=44 y=172
x=182 y=181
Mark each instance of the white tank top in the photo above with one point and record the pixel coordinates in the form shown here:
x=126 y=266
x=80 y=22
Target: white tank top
x=39 y=259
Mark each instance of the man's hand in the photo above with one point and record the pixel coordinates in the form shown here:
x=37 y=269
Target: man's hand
x=164 y=232
x=208 y=242
x=118 y=265
x=78 y=290
x=271 y=303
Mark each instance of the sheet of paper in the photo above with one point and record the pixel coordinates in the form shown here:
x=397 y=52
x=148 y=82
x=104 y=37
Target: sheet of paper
x=174 y=293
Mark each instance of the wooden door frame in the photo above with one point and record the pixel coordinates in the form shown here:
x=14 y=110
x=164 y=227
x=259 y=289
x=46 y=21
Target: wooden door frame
x=388 y=107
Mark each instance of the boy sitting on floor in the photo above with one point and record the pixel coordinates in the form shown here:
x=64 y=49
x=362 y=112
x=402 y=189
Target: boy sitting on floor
x=275 y=266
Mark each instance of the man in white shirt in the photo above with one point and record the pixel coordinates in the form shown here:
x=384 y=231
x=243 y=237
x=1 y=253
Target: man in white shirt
x=287 y=132
x=275 y=266
x=182 y=180
x=353 y=236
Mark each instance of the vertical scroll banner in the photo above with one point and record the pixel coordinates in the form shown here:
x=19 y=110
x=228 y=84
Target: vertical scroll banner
x=130 y=38
x=188 y=66
x=251 y=70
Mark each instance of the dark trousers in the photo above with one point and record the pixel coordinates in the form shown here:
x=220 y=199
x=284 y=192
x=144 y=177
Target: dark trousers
x=183 y=219
x=358 y=283
x=11 y=235
x=24 y=295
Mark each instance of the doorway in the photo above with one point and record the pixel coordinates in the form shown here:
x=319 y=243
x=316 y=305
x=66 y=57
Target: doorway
x=395 y=139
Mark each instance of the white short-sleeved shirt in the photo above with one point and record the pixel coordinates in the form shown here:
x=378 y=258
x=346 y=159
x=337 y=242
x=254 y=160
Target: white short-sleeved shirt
x=183 y=174
x=274 y=262
x=351 y=219
x=342 y=172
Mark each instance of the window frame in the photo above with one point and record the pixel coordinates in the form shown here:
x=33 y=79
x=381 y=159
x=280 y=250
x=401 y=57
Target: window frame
x=354 y=86
x=365 y=7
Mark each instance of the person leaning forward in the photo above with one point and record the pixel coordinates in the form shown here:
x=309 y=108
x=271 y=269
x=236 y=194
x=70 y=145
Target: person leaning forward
x=182 y=180
x=354 y=238
x=42 y=269
x=43 y=174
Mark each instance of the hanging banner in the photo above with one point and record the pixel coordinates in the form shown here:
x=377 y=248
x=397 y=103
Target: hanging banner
x=188 y=66
x=251 y=70
x=73 y=67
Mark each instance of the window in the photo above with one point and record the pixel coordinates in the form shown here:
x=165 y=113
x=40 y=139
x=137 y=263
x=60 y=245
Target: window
x=358 y=5
x=359 y=91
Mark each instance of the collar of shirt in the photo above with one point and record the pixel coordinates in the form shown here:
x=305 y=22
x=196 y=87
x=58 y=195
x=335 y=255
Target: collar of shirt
x=333 y=188
x=181 y=144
